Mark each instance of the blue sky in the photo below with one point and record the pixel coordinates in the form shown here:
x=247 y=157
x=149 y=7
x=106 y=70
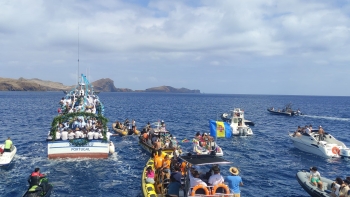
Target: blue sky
x=232 y=47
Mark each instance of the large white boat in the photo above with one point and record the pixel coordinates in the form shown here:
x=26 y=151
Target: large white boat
x=237 y=122
x=327 y=147
x=80 y=130
x=7 y=157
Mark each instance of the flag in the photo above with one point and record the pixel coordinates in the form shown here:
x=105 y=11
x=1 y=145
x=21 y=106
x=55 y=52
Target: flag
x=220 y=129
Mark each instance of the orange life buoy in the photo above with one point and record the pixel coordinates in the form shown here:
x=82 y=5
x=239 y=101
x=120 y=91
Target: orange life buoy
x=199 y=186
x=227 y=190
x=335 y=150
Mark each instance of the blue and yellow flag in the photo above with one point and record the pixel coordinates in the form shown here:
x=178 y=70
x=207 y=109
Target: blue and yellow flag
x=220 y=129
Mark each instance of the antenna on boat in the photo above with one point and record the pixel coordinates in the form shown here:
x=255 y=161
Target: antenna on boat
x=78 y=54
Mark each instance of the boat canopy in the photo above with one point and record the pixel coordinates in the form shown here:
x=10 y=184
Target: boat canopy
x=203 y=159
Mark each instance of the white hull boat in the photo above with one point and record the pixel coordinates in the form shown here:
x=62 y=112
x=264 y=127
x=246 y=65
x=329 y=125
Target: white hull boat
x=7 y=157
x=92 y=149
x=238 y=123
x=328 y=147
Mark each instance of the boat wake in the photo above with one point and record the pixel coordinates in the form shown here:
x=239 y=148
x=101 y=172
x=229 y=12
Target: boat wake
x=328 y=118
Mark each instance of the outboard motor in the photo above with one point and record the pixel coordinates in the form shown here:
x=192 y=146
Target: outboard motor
x=245 y=132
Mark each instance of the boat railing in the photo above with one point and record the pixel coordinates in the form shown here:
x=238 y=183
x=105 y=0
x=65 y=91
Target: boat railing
x=210 y=189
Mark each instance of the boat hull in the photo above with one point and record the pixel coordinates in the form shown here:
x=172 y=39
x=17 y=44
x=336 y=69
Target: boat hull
x=280 y=113
x=7 y=157
x=64 y=149
x=312 y=147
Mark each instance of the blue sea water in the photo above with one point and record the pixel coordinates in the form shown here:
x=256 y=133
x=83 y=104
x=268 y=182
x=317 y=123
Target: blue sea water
x=267 y=160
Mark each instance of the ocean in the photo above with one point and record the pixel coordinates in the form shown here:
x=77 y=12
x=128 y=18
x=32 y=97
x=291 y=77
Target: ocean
x=268 y=161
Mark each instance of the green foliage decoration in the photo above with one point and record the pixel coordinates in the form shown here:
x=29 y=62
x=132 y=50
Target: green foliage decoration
x=79 y=142
x=70 y=118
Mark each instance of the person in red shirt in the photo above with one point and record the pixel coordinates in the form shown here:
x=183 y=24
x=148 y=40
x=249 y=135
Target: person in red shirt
x=34 y=178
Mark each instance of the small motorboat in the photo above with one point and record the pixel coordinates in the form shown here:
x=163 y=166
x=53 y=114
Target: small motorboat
x=6 y=157
x=287 y=111
x=303 y=178
x=207 y=148
x=37 y=191
x=327 y=147
x=237 y=122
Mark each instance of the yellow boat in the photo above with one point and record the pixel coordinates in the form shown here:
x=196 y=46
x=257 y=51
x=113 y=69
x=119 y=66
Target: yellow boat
x=124 y=132
x=149 y=190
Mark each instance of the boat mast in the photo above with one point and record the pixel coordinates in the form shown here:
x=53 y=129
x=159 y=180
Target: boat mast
x=78 y=54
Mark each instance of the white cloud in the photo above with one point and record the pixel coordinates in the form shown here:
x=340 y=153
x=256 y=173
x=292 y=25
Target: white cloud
x=172 y=36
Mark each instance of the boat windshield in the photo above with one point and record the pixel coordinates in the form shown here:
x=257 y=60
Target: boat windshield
x=204 y=159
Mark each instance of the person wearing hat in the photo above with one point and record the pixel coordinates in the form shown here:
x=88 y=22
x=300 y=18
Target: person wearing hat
x=315 y=177
x=234 y=182
x=216 y=178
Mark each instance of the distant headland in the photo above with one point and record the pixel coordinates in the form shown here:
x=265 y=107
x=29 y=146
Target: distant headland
x=101 y=85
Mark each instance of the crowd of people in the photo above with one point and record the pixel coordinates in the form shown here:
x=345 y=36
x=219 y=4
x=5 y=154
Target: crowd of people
x=127 y=126
x=308 y=129
x=205 y=141
x=80 y=127
x=80 y=103
x=339 y=188
x=158 y=138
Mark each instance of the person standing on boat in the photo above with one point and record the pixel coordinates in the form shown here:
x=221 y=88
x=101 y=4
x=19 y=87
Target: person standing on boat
x=315 y=177
x=320 y=133
x=234 y=182
x=8 y=145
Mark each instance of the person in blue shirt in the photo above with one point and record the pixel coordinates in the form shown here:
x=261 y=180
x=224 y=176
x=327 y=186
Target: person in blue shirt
x=234 y=182
x=174 y=187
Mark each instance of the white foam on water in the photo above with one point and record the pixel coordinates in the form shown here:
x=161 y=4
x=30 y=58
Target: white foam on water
x=328 y=118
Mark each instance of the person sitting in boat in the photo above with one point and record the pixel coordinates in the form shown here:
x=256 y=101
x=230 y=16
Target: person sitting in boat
x=58 y=135
x=315 y=178
x=8 y=145
x=344 y=189
x=148 y=126
x=49 y=136
x=149 y=175
x=194 y=178
x=307 y=129
x=216 y=178
x=71 y=135
x=64 y=134
x=310 y=127
x=297 y=132
x=320 y=133
x=78 y=133
x=338 y=182
x=198 y=136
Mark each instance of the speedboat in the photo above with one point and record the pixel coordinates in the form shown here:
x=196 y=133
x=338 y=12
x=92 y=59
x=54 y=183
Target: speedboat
x=237 y=123
x=35 y=192
x=7 y=157
x=206 y=148
x=81 y=113
x=303 y=178
x=328 y=147
x=287 y=111
x=186 y=190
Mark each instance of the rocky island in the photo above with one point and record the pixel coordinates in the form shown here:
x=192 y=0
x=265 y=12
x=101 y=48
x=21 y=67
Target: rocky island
x=101 y=85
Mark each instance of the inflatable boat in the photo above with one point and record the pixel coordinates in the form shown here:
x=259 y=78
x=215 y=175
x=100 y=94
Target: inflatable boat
x=304 y=181
x=124 y=132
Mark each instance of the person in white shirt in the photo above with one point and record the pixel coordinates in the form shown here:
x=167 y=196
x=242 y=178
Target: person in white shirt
x=58 y=135
x=90 y=135
x=216 y=178
x=96 y=135
x=64 y=135
x=100 y=136
x=315 y=177
x=78 y=134
x=49 y=136
x=71 y=135
x=195 y=180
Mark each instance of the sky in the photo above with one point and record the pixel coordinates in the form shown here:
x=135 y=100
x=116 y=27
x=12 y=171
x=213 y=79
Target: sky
x=289 y=47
